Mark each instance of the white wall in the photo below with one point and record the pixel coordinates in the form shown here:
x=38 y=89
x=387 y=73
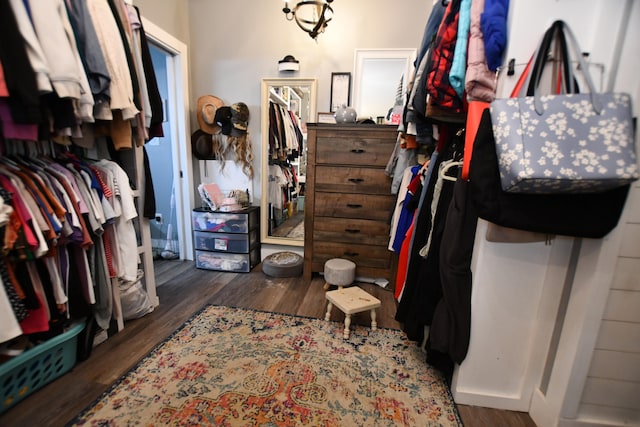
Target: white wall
x=170 y=15
x=612 y=385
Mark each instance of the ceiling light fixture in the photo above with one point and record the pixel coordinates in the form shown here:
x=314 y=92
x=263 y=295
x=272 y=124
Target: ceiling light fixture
x=311 y=16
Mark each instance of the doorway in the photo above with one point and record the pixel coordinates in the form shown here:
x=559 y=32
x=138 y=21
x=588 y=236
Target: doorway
x=169 y=157
x=164 y=237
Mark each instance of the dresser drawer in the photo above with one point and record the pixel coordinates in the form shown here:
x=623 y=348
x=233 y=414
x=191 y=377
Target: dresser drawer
x=363 y=206
x=362 y=255
x=224 y=242
x=359 y=231
x=352 y=180
x=354 y=149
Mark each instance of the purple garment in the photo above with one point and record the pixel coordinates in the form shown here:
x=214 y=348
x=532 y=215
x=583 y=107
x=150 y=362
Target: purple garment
x=62 y=256
x=13 y=130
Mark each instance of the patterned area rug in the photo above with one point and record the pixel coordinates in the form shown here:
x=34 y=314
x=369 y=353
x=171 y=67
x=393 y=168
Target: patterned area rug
x=236 y=367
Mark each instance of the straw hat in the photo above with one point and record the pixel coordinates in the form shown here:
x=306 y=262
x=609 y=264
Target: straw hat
x=206 y=112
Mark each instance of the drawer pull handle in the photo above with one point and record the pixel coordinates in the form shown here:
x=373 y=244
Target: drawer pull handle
x=356 y=180
x=357 y=151
x=351 y=254
x=353 y=205
x=352 y=230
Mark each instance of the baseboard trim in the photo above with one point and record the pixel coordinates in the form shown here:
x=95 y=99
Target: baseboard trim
x=509 y=403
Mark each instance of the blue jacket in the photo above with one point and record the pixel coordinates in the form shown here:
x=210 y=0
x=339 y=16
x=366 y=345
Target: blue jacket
x=494 y=30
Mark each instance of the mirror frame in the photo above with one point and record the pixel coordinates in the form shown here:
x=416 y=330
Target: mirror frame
x=408 y=55
x=264 y=138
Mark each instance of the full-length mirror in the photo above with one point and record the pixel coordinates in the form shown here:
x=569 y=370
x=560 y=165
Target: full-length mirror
x=287 y=105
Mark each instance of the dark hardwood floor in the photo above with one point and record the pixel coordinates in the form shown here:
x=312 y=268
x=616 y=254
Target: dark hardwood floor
x=288 y=226
x=183 y=290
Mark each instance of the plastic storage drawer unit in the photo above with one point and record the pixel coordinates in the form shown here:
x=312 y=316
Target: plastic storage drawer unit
x=224 y=222
x=224 y=242
x=222 y=261
x=227 y=241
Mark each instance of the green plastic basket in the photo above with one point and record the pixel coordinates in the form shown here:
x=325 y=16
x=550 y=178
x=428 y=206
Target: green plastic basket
x=26 y=373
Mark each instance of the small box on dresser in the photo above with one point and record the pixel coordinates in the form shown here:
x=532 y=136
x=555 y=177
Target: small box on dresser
x=226 y=241
x=349 y=204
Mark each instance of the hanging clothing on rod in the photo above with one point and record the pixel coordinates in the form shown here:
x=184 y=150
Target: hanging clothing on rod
x=285 y=136
x=433 y=283
x=86 y=65
x=70 y=232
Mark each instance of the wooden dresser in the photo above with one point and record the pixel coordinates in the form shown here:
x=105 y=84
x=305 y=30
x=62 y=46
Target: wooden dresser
x=348 y=202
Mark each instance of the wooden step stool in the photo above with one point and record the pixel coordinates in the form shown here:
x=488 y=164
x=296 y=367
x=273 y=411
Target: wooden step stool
x=352 y=300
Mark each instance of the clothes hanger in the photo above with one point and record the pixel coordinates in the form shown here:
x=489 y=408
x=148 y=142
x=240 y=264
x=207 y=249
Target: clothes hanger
x=9 y=159
x=445 y=169
x=424 y=167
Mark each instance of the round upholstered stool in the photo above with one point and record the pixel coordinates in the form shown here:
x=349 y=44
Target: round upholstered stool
x=339 y=272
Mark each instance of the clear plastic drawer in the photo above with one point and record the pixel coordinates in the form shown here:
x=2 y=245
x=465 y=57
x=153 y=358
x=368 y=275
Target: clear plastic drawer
x=223 y=261
x=224 y=242
x=225 y=222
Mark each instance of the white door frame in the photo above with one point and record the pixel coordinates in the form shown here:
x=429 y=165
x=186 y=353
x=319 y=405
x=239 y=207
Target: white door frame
x=178 y=114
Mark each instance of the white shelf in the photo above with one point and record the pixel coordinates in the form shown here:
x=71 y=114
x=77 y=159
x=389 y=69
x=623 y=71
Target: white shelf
x=286 y=97
x=273 y=96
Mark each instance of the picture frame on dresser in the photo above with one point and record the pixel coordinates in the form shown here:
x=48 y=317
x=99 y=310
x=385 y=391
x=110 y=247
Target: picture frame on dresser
x=326 y=118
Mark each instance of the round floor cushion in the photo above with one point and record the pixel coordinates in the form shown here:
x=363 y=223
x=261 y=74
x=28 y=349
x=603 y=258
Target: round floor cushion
x=282 y=264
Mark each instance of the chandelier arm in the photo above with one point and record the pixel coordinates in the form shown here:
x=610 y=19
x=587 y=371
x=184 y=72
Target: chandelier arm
x=288 y=13
x=321 y=22
x=318 y=26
